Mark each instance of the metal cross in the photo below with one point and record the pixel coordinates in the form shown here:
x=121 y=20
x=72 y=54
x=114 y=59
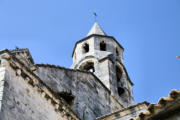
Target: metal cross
x=95 y=15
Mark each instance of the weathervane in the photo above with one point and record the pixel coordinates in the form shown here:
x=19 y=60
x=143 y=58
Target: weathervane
x=95 y=15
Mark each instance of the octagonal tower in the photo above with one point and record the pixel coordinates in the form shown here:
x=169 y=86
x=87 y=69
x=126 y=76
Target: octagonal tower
x=103 y=56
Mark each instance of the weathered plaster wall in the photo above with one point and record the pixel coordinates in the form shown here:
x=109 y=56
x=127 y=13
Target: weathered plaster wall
x=92 y=99
x=23 y=102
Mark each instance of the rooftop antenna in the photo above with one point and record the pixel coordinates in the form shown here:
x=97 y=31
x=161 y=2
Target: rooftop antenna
x=95 y=16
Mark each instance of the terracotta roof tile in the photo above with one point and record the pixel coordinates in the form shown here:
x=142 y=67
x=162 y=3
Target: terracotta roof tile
x=164 y=106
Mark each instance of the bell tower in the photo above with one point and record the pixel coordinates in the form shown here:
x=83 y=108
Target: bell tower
x=103 y=56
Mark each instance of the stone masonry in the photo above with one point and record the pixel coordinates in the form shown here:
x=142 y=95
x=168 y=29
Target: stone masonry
x=96 y=87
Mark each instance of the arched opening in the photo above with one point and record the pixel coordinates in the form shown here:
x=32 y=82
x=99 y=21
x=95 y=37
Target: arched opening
x=117 y=52
x=89 y=66
x=85 y=48
x=102 y=46
x=68 y=97
x=119 y=83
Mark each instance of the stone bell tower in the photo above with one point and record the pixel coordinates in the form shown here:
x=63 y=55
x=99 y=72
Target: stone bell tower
x=103 y=56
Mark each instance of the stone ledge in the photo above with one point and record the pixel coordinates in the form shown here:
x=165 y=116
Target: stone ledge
x=124 y=111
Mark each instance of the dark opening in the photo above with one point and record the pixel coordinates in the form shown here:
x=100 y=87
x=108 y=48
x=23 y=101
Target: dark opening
x=86 y=48
x=89 y=67
x=102 y=46
x=68 y=97
x=119 y=83
x=117 y=52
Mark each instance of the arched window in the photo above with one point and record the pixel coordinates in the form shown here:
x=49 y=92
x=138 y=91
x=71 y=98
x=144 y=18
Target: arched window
x=89 y=66
x=117 y=52
x=119 y=83
x=102 y=46
x=85 y=48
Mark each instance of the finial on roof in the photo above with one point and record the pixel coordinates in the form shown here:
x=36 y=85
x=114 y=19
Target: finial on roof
x=95 y=15
x=96 y=29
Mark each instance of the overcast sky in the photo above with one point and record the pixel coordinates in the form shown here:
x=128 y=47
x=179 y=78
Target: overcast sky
x=149 y=30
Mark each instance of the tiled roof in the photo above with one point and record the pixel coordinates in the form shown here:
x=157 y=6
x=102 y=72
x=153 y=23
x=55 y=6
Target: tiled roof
x=163 y=109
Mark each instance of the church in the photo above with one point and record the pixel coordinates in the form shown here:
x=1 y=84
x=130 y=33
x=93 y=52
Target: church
x=96 y=87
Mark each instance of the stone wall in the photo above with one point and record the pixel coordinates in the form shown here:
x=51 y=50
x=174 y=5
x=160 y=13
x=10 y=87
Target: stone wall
x=79 y=54
x=2 y=76
x=127 y=97
x=105 y=63
x=91 y=98
x=127 y=113
x=24 y=56
x=23 y=96
x=22 y=102
x=111 y=47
